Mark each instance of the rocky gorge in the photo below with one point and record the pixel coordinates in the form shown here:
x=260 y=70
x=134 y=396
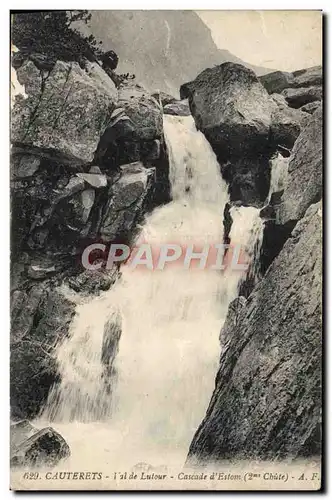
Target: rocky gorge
x=89 y=161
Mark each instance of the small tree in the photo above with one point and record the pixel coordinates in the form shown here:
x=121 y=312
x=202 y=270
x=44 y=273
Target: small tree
x=51 y=33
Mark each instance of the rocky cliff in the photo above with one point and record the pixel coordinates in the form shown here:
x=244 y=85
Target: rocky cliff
x=267 y=398
x=88 y=160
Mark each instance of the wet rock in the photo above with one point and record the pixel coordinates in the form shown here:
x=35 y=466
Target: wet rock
x=66 y=109
x=297 y=97
x=267 y=400
x=23 y=308
x=304 y=185
x=177 y=108
x=310 y=107
x=232 y=108
x=93 y=282
x=150 y=150
x=36 y=272
x=44 y=448
x=126 y=201
x=267 y=212
x=248 y=178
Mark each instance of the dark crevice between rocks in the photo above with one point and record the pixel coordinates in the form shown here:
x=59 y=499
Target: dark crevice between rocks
x=274 y=238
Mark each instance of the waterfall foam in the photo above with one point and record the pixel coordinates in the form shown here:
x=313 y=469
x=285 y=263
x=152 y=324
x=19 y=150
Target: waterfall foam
x=279 y=175
x=169 y=347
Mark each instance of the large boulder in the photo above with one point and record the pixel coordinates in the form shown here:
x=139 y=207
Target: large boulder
x=231 y=107
x=305 y=171
x=267 y=398
x=135 y=126
x=66 y=109
x=31 y=447
x=127 y=198
x=297 y=97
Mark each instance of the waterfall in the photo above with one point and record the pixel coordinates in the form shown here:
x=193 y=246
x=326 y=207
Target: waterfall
x=170 y=322
x=279 y=174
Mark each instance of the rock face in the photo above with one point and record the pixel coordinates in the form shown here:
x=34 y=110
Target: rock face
x=33 y=448
x=177 y=108
x=286 y=123
x=267 y=400
x=126 y=199
x=62 y=201
x=67 y=108
x=40 y=319
x=304 y=185
x=162 y=48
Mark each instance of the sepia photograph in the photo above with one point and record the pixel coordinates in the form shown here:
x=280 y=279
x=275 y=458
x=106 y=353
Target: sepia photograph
x=166 y=227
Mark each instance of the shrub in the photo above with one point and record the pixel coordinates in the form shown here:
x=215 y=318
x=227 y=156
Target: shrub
x=51 y=33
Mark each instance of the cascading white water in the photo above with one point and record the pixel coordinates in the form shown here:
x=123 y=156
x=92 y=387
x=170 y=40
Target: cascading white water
x=279 y=175
x=171 y=319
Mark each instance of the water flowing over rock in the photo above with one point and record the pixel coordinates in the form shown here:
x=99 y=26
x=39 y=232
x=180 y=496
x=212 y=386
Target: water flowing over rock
x=128 y=356
x=62 y=202
x=159 y=316
x=67 y=109
x=267 y=400
x=235 y=113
